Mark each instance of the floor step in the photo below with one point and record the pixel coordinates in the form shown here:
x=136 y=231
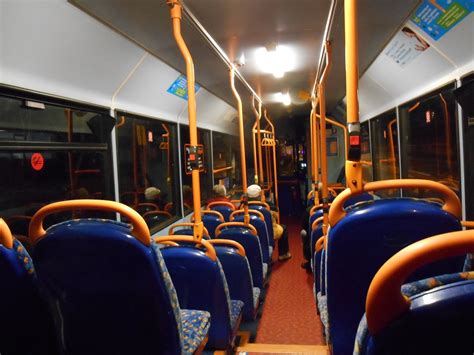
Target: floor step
x=252 y=348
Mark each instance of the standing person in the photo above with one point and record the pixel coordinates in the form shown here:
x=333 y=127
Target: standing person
x=280 y=233
x=219 y=193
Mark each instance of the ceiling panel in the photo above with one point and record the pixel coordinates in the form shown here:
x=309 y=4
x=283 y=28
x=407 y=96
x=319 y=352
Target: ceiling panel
x=242 y=26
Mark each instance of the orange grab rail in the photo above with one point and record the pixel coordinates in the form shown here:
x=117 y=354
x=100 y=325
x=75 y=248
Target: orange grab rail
x=316 y=222
x=6 y=238
x=452 y=204
x=467 y=224
x=254 y=212
x=187 y=225
x=385 y=301
x=320 y=243
x=235 y=224
x=210 y=251
x=140 y=230
x=227 y=242
x=210 y=212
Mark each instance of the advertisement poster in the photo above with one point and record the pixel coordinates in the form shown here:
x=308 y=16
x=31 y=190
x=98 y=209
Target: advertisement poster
x=437 y=17
x=406 y=46
x=180 y=87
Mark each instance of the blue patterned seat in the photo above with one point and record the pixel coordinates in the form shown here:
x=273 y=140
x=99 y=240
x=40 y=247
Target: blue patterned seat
x=262 y=233
x=201 y=284
x=360 y=243
x=453 y=292
x=96 y=273
x=239 y=279
x=26 y=326
x=251 y=244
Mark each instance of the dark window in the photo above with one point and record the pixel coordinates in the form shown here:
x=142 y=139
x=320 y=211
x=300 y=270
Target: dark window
x=226 y=152
x=366 y=155
x=51 y=152
x=429 y=140
x=385 y=149
x=205 y=177
x=147 y=163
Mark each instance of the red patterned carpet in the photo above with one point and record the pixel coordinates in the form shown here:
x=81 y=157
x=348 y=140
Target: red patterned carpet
x=289 y=313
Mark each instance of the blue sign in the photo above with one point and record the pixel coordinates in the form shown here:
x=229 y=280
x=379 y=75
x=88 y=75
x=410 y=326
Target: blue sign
x=180 y=87
x=437 y=17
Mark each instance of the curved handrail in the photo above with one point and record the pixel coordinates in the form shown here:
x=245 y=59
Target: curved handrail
x=187 y=225
x=234 y=224
x=140 y=229
x=452 y=203
x=254 y=212
x=385 y=302
x=316 y=222
x=468 y=224
x=319 y=245
x=210 y=251
x=6 y=237
x=260 y=203
x=163 y=213
x=228 y=242
x=221 y=203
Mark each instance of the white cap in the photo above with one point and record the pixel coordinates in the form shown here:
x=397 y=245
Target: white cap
x=253 y=191
x=152 y=193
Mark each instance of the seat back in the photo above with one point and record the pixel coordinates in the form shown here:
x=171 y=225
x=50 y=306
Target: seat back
x=431 y=316
x=211 y=220
x=26 y=325
x=238 y=275
x=268 y=220
x=360 y=243
x=96 y=273
x=201 y=284
x=224 y=208
x=262 y=232
x=251 y=243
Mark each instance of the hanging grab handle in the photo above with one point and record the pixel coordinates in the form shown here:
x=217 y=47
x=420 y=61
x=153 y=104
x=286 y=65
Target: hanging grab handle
x=210 y=251
x=385 y=301
x=139 y=228
x=452 y=204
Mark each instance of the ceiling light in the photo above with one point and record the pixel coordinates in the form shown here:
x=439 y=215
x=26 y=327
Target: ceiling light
x=285 y=99
x=276 y=60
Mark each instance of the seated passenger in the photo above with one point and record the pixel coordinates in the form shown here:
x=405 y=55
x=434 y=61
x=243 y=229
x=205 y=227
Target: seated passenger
x=219 y=193
x=153 y=195
x=280 y=232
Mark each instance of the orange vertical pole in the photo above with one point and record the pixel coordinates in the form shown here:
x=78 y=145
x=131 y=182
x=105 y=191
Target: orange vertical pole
x=353 y=165
x=316 y=154
x=134 y=161
x=324 y=166
x=254 y=145
x=176 y=12
x=242 y=146
x=259 y=146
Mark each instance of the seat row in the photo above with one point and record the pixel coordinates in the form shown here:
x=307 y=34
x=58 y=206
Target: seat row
x=365 y=232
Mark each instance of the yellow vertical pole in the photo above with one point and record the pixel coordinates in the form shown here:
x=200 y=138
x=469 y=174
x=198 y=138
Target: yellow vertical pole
x=242 y=145
x=353 y=165
x=176 y=12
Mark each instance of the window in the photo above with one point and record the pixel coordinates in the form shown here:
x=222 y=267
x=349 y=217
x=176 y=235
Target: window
x=51 y=151
x=429 y=139
x=226 y=153
x=147 y=163
x=205 y=177
x=366 y=155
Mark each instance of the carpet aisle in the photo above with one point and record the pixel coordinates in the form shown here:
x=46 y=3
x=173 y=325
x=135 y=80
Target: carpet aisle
x=289 y=314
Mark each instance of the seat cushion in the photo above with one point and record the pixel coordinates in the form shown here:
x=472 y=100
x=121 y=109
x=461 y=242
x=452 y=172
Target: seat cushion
x=256 y=296
x=323 y=311
x=195 y=327
x=265 y=270
x=235 y=312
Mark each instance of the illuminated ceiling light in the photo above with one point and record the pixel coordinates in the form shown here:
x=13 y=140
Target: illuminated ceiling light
x=285 y=99
x=276 y=60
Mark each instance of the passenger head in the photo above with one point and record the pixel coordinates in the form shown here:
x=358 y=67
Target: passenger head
x=152 y=193
x=254 y=191
x=219 y=191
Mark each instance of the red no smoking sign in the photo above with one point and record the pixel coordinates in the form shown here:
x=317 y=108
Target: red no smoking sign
x=37 y=161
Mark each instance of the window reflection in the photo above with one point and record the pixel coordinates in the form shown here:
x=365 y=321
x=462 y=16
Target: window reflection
x=147 y=159
x=226 y=153
x=429 y=139
x=49 y=153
